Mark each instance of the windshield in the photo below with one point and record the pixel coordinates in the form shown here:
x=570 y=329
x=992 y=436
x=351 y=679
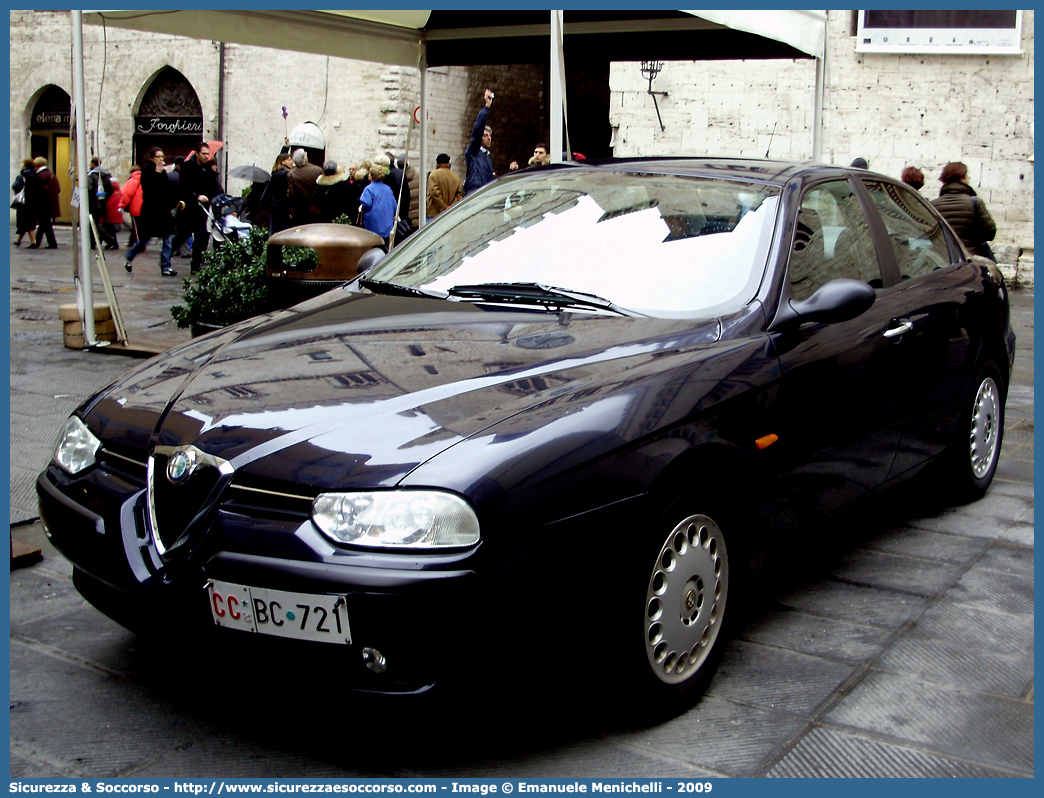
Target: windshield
x=657 y=245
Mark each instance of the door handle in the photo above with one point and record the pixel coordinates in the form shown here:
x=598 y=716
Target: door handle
x=903 y=327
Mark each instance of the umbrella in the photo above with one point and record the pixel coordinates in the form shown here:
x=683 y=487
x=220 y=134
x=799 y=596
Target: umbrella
x=215 y=145
x=255 y=174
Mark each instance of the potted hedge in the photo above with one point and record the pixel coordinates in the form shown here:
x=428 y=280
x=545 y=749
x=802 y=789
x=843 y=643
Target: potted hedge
x=229 y=286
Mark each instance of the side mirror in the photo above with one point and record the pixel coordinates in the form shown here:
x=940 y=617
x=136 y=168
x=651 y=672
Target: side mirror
x=370 y=259
x=835 y=301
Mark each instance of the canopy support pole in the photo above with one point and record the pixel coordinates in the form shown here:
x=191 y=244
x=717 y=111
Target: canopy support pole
x=557 y=82
x=817 y=115
x=422 y=171
x=86 y=285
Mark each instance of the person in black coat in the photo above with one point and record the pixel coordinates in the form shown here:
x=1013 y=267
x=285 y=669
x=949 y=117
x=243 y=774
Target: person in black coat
x=158 y=200
x=400 y=186
x=42 y=193
x=199 y=185
x=334 y=193
x=965 y=211
x=24 y=216
x=274 y=198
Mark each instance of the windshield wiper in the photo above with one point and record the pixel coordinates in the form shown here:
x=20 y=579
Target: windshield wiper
x=395 y=289
x=536 y=293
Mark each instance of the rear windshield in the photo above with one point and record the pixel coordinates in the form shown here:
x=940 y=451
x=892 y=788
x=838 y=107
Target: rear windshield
x=659 y=245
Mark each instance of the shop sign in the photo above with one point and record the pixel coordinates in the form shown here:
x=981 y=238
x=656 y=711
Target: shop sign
x=51 y=120
x=169 y=125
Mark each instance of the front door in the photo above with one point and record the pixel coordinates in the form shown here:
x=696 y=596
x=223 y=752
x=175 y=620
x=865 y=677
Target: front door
x=840 y=419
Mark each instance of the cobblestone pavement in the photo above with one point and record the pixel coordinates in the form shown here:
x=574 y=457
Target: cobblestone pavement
x=905 y=650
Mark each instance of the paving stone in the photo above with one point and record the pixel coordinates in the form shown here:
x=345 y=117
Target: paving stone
x=1021 y=534
x=953 y=722
x=977 y=628
x=225 y=754
x=991 y=590
x=41 y=592
x=776 y=679
x=1009 y=488
x=1020 y=470
x=118 y=727
x=618 y=757
x=836 y=754
x=997 y=507
x=727 y=738
x=955 y=523
x=914 y=575
x=1007 y=559
x=884 y=609
x=927 y=545
x=815 y=635
x=955 y=665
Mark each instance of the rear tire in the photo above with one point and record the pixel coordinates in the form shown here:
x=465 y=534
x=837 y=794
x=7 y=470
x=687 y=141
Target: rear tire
x=972 y=456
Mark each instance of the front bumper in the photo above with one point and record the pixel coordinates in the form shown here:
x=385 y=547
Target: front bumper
x=417 y=612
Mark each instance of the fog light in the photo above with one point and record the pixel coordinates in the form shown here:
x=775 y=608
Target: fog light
x=374 y=660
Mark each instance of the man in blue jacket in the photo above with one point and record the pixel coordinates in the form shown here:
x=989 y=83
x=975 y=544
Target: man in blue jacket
x=476 y=156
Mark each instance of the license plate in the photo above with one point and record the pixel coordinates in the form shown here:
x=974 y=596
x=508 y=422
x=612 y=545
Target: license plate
x=300 y=616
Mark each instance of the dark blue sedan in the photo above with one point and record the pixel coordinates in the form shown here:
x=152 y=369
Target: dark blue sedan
x=561 y=418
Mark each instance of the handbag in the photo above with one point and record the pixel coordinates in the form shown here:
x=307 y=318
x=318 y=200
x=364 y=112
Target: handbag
x=19 y=199
x=403 y=230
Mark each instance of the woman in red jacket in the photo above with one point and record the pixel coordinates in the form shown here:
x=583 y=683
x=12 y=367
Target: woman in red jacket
x=113 y=214
x=130 y=200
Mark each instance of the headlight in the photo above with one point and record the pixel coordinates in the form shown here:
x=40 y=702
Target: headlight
x=414 y=519
x=76 y=446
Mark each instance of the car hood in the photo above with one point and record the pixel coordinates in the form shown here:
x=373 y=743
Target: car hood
x=359 y=389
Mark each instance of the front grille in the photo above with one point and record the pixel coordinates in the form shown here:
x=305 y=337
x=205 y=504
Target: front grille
x=267 y=503
x=130 y=467
x=177 y=505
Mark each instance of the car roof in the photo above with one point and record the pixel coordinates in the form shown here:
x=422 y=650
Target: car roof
x=756 y=169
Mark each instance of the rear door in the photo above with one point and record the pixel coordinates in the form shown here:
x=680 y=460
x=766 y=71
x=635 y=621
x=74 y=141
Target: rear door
x=931 y=285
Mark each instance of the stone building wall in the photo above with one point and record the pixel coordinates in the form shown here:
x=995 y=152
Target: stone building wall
x=118 y=64
x=893 y=110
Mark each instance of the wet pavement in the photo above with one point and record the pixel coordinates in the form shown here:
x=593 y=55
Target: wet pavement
x=902 y=647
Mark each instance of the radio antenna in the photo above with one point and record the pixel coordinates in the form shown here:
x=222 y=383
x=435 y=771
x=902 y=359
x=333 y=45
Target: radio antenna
x=773 y=133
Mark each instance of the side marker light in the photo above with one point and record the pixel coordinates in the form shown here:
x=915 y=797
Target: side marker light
x=766 y=441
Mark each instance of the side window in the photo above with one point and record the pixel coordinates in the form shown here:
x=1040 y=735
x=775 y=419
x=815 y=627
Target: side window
x=832 y=240
x=915 y=233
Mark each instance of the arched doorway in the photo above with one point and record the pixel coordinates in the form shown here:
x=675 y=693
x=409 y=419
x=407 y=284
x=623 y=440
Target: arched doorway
x=49 y=128
x=170 y=116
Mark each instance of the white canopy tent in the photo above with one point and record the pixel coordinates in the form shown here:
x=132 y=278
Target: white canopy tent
x=423 y=38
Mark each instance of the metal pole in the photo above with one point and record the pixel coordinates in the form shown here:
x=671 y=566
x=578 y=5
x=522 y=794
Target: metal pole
x=557 y=81
x=422 y=172
x=81 y=178
x=817 y=114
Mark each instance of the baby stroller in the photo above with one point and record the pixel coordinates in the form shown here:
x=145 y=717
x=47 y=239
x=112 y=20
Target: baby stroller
x=223 y=222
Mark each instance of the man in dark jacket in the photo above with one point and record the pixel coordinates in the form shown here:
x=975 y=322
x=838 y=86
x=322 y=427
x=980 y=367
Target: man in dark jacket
x=301 y=187
x=158 y=199
x=476 y=156
x=964 y=210
x=199 y=185
x=43 y=192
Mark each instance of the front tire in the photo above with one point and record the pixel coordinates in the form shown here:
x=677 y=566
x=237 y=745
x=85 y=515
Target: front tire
x=685 y=601
x=689 y=581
